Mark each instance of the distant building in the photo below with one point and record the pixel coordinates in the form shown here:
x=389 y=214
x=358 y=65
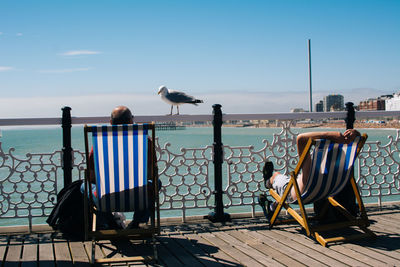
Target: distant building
x=319 y=107
x=333 y=102
x=372 y=104
x=393 y=103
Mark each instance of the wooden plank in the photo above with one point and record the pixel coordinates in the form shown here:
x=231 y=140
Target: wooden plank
x=165 y=255
x=61 y=251
x=3 y=247
x=387 y=218
x=248 y=236
x=388 y=222
x=225 y=256
x=233 y=252
x=103 y=249
x=281 y=245
x=107 y=251
x=303 y=239
x=78 y=253
x=388 y=246
x=232 y=238
x=132 y=251
x=30 y=251
x=181 y=252
x=346 y=253
x=199 y=248
x=263 y=246
x=386 y=241
x=355 y=255
x=393 y=215
x=374 y=260
x=373 y=254
x=380 y=229
x=208 y=254
x=13 y=256
x=46 y=253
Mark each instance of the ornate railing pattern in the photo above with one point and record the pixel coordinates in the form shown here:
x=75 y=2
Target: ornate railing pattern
x=28 y=185
x=245 y=165
x=185 y=177
x=379 y=169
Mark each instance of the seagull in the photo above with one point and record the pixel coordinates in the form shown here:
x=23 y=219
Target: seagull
x=175 y=98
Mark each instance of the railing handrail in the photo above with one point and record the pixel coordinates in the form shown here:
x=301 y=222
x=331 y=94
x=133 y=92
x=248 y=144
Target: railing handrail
x=203 y=117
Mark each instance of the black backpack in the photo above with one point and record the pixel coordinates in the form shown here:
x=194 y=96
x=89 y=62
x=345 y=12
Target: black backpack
x=346 y=198
x=67 y=215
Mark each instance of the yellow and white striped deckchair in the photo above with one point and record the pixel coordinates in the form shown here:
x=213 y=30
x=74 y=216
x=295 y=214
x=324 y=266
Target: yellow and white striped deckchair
x=332 y=167
x=124 y=162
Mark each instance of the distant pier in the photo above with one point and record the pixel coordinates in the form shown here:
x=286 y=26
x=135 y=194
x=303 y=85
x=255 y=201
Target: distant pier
x=169 y=127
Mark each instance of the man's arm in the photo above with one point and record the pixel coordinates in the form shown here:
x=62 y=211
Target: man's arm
x=337 y=137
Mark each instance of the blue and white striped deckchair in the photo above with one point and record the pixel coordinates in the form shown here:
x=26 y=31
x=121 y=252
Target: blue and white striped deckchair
x=124 y=159
x=120 y=159
x=331 y=169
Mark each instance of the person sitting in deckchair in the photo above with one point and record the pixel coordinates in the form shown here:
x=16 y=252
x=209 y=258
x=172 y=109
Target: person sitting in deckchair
x=122 y=115
x=279 y=181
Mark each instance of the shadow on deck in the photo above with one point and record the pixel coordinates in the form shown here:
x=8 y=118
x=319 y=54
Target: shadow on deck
x=242 y=242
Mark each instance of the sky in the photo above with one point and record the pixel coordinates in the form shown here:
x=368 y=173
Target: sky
x=249 y=56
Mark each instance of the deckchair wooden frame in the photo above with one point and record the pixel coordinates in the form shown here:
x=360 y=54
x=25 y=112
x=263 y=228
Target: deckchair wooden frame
x=302 y=218
x=93 y=234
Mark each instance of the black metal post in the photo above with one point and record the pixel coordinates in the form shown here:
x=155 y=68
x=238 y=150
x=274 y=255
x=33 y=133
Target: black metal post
x=350 y=115
x=218 y=215
x=347 y=196
x=67 y=149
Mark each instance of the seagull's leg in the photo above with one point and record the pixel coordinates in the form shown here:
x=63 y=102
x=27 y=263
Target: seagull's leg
x=171 y=109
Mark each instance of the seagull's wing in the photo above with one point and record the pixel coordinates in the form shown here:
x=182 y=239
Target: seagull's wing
x=180 y=97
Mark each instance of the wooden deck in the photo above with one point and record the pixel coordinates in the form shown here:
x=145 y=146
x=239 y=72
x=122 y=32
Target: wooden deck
x=242 y=242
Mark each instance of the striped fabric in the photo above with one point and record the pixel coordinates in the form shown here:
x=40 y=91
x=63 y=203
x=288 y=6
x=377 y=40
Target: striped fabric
x=331 y=167
x=120 y=159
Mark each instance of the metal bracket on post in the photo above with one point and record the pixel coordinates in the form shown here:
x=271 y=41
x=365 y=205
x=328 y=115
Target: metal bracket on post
x=67 y=149
x=218 y=215
x=350 y=118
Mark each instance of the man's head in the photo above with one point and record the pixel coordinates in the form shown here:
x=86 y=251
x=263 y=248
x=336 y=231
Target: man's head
x=121 y=115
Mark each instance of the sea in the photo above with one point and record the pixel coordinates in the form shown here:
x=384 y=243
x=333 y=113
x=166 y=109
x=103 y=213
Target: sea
x=22 y=141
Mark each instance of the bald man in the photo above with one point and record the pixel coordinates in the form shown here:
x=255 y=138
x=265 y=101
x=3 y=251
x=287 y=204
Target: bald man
x=123 y=115
x=279 y=181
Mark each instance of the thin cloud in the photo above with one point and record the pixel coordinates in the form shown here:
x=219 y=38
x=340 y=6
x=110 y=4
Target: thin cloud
x=80 y=53
x=64 y=70
x=19 y=34
x=4 y=68
x=151 y=103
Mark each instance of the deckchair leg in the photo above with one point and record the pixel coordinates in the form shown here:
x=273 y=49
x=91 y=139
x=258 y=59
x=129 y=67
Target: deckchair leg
x=92 y=261
x=361 y=206
x=320 y=239
x=155 y=248
x=301 y=219
x=303 y=212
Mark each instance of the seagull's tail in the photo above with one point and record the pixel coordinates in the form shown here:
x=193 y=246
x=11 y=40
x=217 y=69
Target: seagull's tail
x=196 y=101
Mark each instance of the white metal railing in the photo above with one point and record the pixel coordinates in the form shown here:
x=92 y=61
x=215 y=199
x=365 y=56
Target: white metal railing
x=37 y=175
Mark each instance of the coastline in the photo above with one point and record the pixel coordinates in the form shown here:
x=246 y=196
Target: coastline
x=357 y=125
x=333 y=125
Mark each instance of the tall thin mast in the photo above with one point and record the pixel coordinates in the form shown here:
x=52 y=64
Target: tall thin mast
x=309 y=72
